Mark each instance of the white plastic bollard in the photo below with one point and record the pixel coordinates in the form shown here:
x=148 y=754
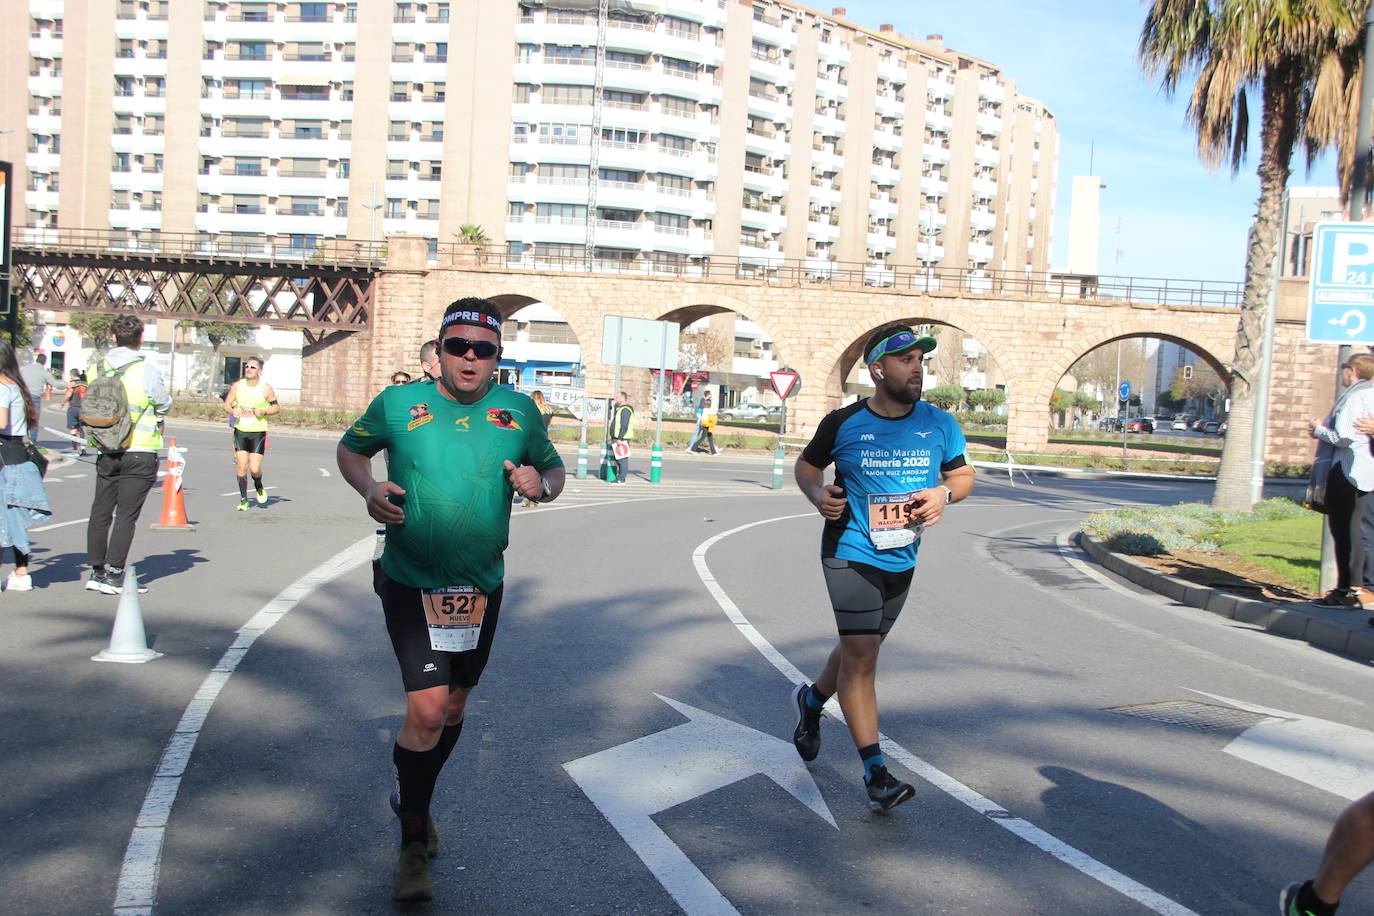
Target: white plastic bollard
x=128 y=640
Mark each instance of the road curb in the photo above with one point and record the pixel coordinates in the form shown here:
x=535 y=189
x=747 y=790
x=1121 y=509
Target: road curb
x=1346 y=632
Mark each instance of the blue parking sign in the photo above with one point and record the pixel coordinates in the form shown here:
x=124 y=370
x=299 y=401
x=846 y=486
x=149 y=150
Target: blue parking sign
x=1340 y=299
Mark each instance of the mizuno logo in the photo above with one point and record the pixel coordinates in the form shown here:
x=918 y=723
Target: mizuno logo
x=921 y=433
x=866 y=437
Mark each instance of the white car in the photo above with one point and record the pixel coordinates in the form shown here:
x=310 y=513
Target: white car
x=746 y=412
x=1181 y=425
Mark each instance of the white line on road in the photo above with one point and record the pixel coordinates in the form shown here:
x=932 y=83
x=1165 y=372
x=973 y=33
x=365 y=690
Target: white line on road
x=136 y=892
x=1022 y=828
x=75 y=521
x=324 y=473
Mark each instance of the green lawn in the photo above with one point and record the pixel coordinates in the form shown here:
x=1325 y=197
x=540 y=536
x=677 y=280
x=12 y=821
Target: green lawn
x=1290 y=547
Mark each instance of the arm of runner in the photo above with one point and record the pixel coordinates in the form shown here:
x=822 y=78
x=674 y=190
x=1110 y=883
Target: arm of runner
x=229 y=400
x=959 y=482
x=272 y=405
x=356 y=470
x=526 y=481
x=828 y=498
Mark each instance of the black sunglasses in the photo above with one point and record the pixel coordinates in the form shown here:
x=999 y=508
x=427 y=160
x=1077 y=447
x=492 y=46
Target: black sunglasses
x=459 y=346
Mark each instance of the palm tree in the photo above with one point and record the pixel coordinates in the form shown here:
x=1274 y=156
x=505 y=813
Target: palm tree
x=472 y=234
x=1301 y=57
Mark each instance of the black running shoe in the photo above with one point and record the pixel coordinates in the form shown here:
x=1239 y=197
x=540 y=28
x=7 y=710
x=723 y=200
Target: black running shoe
x=807 y=736
x=431 y=835
x=885 y=791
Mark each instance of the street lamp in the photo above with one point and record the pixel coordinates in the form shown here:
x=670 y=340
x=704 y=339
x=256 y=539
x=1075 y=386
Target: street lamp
x=372 y=224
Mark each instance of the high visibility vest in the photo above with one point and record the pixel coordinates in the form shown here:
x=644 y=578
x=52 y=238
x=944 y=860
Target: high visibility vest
x=146 y=436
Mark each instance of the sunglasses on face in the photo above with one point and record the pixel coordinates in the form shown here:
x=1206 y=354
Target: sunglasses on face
x=459 y=346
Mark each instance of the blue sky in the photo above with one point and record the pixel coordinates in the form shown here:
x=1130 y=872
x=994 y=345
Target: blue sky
x=1177 y=219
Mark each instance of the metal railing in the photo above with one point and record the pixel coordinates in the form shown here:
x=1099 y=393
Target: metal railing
x=193 y=246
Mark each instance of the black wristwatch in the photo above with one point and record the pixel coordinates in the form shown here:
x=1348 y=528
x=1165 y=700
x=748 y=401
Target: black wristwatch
x=548 y=491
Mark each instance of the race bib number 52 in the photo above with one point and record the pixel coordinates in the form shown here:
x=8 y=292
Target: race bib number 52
x=454 y=615
x=890 y=521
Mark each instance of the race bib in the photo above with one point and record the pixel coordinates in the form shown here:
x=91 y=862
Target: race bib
x=454 y=616
x=890 y=521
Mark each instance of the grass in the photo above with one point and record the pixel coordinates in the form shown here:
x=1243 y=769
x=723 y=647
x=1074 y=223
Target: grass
x=1279 y=536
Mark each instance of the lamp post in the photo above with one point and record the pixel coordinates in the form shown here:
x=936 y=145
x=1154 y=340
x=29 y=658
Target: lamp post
x=372 y=224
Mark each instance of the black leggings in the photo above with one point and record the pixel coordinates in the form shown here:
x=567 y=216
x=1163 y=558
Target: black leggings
x=1344 y=511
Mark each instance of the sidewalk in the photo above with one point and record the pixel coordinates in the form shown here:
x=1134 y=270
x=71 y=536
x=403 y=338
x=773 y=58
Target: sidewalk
x=1345 y=631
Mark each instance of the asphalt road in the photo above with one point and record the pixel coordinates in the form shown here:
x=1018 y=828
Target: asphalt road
x=626 y=751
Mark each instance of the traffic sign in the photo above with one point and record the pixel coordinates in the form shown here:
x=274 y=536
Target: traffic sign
x=1340 y=298
x=1123 y=391
x=784 y=382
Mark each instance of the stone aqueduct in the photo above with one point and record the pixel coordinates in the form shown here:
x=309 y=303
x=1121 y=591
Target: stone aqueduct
x=817 y=330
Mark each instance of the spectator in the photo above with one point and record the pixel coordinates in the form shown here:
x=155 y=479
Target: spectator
x=429 y=359
x=400 y=377
x=39 y=385
x=622 y=431
x=25 y=500
x=1344 y=450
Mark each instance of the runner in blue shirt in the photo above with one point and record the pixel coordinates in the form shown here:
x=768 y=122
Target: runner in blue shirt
x=898 y=463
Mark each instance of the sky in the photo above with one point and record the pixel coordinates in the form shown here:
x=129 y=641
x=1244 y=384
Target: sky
x=1164 y=214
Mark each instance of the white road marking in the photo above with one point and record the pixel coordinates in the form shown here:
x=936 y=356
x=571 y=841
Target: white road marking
x=136 y=892
x=75 y=521
x=324 y=473
x=236 y=492
x=632 y=782
x=1022 y=828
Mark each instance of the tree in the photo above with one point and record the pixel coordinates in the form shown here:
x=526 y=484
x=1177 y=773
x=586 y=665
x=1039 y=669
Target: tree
x=1301 y=57
x=472 y=234
x=702 y=350
x=1204 y=385
x=219 y=333
x=946 y=397
x=93 y=327
x=987 y=398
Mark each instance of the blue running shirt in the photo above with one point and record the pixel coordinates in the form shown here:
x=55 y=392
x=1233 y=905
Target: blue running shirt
x=880 y=462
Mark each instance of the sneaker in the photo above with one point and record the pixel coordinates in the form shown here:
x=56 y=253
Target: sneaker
x=113 y=583
x=1342 y=597
x=243 y=505
x=806 y=738
x=885 y=791
x=96 y=580
x=718 y=451
x=431 y=835
x=19 y=583
x=1288 y=900
x=412 y=875
x=262 y=497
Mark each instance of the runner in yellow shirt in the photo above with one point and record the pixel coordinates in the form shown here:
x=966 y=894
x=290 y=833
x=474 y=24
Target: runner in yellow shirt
x=249 y=403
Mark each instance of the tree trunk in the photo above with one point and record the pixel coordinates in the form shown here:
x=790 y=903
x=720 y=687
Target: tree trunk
x=1277 y=136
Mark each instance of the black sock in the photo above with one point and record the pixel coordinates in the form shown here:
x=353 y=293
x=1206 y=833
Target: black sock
x=243 y=487
x=416 y=773
x=1309 y=902
x=257 y=482
x=448 y=738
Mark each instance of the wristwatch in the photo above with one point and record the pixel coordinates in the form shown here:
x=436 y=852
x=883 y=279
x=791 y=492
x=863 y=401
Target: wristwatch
x=949 y=494
x=548 y=491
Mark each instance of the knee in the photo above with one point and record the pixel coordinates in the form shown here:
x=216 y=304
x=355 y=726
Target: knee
x=1361 y=813
x=457 y=707
x=427 y=717
x=860 y=660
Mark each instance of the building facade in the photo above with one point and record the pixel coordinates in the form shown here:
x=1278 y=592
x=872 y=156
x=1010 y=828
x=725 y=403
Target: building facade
x=673 y=130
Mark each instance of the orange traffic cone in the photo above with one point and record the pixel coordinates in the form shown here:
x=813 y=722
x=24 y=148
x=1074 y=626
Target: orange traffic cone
x=173 y=502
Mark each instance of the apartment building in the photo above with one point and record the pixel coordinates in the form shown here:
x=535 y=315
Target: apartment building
x=673 y=130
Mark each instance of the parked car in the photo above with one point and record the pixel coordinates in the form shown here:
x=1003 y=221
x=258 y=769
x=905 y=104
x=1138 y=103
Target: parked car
x=1211 y=427
x=746 y=412
x=1181 y=425
x=1140 y=425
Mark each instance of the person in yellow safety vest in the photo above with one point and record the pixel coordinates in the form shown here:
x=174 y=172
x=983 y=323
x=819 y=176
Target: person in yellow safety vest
x=124 y=476
x=622 y=431
x=249 y=403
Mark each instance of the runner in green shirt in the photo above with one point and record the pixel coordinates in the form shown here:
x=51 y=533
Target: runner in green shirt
x=457 y=449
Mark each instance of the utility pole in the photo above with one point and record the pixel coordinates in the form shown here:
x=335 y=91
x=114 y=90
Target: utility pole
x=598 y=105
x=372 y=224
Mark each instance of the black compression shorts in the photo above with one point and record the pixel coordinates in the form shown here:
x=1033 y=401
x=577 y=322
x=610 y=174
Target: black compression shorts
x=866 y=599
x=421 y=666
x=252 y=443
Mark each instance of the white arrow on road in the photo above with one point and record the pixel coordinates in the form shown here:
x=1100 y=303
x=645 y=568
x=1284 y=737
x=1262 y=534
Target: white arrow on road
x=1334 y=757
x=634 y=781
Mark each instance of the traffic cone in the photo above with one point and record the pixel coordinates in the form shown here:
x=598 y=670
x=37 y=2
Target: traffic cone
x=173 y=501
x=128 y=640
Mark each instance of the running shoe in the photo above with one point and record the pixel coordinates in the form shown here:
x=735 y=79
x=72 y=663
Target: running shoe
x=806 y=738
x=243 y=505
x=262 y=497
x=1288 y=901
x=412 y=875
x=18 y=583
x=885 y=791
x=431 y=835
x=1342 y=597
x=96 y=579
x=113 y=583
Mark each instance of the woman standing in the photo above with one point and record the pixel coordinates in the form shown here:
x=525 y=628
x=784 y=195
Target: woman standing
x=21 y=486
x=1349 y=480
x=545 y=410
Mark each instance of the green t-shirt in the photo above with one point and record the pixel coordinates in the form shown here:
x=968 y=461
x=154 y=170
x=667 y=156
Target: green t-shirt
x=449 y=458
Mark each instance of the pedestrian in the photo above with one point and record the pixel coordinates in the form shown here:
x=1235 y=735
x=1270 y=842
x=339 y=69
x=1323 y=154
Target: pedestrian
x=899 y=463
x=1343 y=451
x=429 y=359
x=702 y=404
x=545 y=408
x=25 y=502
x=124 y=475
x=400 y=377
x=454 y=459
x=622 y=430
x=708 y=429
x=249 y=403
x=76 y=390
x=1349 y=850
x=39 y=385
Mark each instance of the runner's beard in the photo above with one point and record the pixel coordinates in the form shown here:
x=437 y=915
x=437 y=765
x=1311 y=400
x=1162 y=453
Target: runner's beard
x=908 y=392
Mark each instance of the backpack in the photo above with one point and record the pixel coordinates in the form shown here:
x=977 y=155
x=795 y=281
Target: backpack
x=105 y=411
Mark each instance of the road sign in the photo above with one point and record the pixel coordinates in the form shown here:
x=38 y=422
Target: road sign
x=1123 y=391
x=784 y=382
x=1340 y=298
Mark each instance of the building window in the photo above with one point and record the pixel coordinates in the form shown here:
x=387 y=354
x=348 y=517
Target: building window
x=395 y=209
x=400 y=92
x=120 y=162
x=124 y=86
x=305 y=93
x=124 y=48
x=405 y=12
x=396 y=169
x=441 y=12
x=313 y=12
x=399 y=130
x=154 y=86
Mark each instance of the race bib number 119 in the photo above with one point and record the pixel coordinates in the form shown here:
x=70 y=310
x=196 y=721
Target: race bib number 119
x=890 y=522
x=454 y=615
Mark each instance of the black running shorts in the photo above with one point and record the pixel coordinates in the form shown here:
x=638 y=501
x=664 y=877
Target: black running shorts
x=252 y=443
x=866 y=599
x=421 y=666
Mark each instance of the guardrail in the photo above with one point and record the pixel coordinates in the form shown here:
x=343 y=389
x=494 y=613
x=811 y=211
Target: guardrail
x=194 y=246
